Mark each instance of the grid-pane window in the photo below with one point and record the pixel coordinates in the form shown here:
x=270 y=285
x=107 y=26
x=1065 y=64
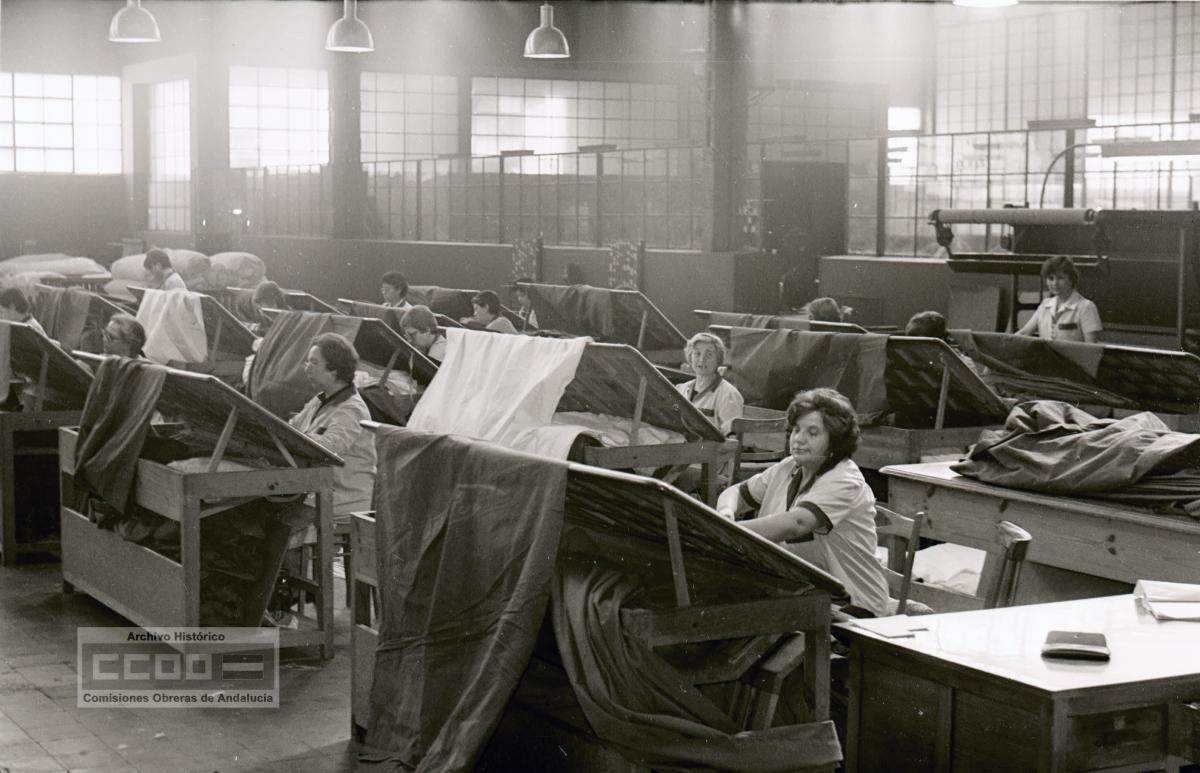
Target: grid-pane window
x=170 y=177
x=1119 y=64
x=1130 y=64
x=278 y=116
x=557 y=116
x=797 y=110
x=1187 y=61
x=60 y=123
x=408 y=116
x=97 y=125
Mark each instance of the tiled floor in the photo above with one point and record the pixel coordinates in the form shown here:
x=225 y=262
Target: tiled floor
x=41 y=729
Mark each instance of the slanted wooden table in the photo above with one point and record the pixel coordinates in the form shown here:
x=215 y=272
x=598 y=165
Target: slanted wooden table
x=654 y=526
x=229 y=341
x=970 y=691
x=58 y=388
x=941 y=401
x=153 y=590
x=617 y=380
x=1102 y=544
x=631 y=318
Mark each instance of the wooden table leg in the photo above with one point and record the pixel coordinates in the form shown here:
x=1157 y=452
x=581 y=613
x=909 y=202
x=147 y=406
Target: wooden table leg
x=325 y=562
x=816 y=670
x=854 y=709
x=8 y=496
x=189 y=533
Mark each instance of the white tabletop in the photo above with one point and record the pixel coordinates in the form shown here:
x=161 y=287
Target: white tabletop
x=1007 y=642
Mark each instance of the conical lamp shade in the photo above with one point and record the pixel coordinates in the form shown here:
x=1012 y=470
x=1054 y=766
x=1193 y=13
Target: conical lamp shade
x=547 y=41
x=133 y=24
x=350 y=34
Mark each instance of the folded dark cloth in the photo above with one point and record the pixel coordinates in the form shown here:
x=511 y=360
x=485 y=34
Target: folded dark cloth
x=113 y=427
x=277 y=380
x=467 y=535
x=635 y=700
x=63 y=314
x=1056 y=448
x=769 y=366
x=1031 y=368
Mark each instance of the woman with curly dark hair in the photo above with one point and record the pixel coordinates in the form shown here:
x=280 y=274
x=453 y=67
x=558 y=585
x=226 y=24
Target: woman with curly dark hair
x=817 y=497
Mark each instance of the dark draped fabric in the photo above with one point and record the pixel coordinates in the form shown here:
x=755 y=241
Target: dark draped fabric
x=390 y=316
x=770 y=366
x=575 y=309
x=387 y=409
x=277 y=380
x=467 y=535
x=63 y=314
x=633 y=699
x=1031 y=368
x=113 y=427
x=454 y=304
x=1055 y=448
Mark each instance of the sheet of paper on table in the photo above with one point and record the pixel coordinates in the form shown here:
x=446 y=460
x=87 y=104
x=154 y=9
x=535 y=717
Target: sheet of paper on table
x=896 y=627
x=1169 y=600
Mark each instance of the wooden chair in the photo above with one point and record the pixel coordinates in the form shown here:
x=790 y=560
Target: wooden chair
x=997 y=583
x=900 y=535
x=342 y=543
x=761 y=441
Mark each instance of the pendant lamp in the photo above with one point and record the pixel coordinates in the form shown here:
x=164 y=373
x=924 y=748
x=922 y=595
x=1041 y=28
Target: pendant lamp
x=547 y=41
x=133 y=24
x=349 y=34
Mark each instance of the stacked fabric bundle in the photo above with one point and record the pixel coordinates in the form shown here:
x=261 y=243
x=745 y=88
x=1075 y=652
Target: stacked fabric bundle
x=26 y=271
x=1056 y=448
x=199 y=272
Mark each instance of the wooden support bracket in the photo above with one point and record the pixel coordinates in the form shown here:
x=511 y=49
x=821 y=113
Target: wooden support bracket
x=943 y=395
x=387 y=371
x=223 y=440
x=678 y=573
x=638 y=406
x=282 y=449
x=216 y=341
x=716 y=622
x=39 y=398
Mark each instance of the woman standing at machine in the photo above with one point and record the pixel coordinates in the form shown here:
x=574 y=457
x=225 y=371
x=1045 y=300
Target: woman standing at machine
x=1065 y=315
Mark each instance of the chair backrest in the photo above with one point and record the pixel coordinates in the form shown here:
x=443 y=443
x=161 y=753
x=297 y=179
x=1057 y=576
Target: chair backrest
x=901 y=536
x=759 y=439
x=997 y=583
x=1001 y=590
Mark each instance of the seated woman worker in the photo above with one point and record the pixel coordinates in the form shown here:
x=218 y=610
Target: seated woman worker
x=1065 y=315
x=124 y=336
x=715 y=397
x=486 y=305
x=421 y=329
x=15 y=307
x=333 y=418
x=817 y=498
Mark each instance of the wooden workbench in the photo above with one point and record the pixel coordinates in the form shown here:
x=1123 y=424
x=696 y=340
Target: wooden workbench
x=1080 y=547
x=153 y=590
x=229 y=341
x=969 y=691
x=653 y=526
x=57 y=389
